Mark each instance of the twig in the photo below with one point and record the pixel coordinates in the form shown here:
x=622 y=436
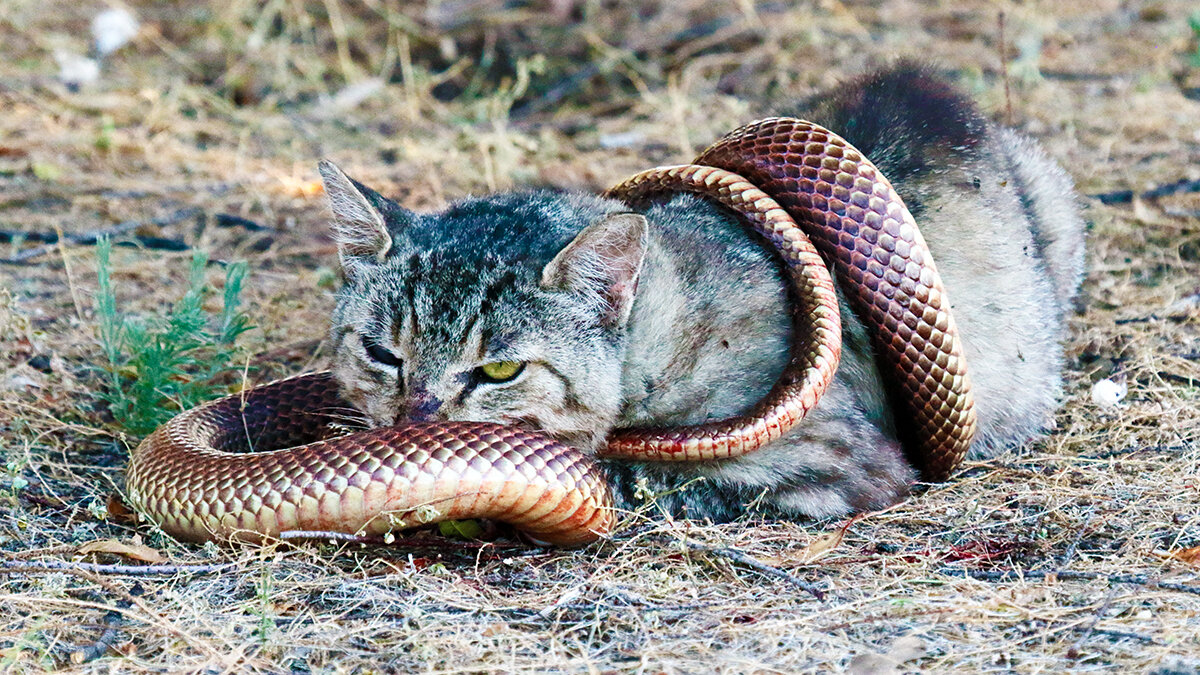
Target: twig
x=319 y=535
x=1081 y=76
x=1127 y=451
x=1180 y=186
x=230 y=220
x=885 y=617
x=1157 y=192
x=156 y=243
x=1096 y=616
x=113 y=618
x=33 y=553
x=1127 y=634
x=1181 y=379
x=1006 y=575
x=90 y=572
x=1069 y=556
x=112 y=624
x=90 y=238
x=15 y=567
x=1149 y=319
x=66 y=260
x=7 y=236
x=48 y=199
x=760 y=566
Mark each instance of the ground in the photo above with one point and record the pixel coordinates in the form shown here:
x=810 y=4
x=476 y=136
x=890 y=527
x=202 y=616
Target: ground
x=1077 y=553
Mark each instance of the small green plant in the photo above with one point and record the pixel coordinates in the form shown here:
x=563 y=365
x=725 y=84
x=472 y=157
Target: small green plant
x=1194 y=24
x=157 y=367
x=266 y=622
x=16 y=482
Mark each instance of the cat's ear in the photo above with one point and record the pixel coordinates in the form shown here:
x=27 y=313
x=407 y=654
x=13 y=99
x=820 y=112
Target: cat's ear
x=359 y=227
x=603 y=262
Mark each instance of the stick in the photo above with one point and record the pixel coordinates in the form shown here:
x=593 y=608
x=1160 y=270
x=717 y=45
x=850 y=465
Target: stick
x=230 y=220
x=759 y=566
x=1182 y=185
x=90 y=238
x=112 y=623
x=1096 y=616
x=1127 y=634
x=129 y=598
x=1069 y=556
x=1135 y=579
x=15 y=567
x=1150 y=318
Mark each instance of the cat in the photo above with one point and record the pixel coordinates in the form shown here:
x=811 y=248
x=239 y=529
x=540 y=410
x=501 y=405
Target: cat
x=565 y=312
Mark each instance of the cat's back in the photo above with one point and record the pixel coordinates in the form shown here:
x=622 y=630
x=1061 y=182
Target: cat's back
x=1001 y=221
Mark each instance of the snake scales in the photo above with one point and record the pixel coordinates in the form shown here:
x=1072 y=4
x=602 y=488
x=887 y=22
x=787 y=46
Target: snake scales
x=797 y=184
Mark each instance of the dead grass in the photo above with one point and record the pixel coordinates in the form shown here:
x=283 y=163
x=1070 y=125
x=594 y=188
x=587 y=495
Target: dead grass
x=227 y=108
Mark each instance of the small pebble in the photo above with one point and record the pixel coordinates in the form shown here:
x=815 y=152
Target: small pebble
x=626 y=139
x=112 y=28
x=1108 y=393
x=76 y=71
x=41 y=362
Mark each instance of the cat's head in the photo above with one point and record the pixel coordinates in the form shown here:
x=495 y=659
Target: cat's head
x=510 y=308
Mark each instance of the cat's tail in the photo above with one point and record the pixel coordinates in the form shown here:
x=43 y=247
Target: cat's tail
x=1048 y=197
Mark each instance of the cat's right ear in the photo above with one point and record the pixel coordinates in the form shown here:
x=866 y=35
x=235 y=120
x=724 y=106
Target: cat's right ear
x=603 y=262
x=359 y=227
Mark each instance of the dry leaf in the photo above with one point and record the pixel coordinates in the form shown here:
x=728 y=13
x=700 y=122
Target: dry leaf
x=871 y=664
x=299 y=187
x=823 y=544
x=134 y=551
x=1190 y=556
x=904 y=649
x=119 y=512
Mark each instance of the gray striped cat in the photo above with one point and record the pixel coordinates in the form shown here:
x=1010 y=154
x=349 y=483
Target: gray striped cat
x=565 y=312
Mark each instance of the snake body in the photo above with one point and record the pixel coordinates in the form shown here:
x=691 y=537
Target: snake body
x=794 y=182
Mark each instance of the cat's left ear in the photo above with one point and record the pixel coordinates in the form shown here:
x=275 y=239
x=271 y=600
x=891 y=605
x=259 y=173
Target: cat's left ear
x=359 y=227
x=603 y=262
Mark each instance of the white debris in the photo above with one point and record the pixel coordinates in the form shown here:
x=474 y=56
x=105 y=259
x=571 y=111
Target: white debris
x=112 y=29
x=76 y=71
x=625 y=139
x=22 y=378
x=1184 y=305
x=349 y=97
x=1108 y=393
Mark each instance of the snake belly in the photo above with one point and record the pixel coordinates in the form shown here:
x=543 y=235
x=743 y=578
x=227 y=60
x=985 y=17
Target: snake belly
x=269 y=461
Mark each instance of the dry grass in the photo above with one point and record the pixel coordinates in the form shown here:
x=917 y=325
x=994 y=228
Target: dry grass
x=227 y=108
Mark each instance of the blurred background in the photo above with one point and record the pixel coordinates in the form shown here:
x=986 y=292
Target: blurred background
x=199 y=125
x=178 y=128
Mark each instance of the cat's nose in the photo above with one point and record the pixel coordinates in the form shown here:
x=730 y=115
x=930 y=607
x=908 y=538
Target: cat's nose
x=425 y=411
x=422 y=406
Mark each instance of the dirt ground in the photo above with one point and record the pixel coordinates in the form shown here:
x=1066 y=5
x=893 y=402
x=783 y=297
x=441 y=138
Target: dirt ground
x=1079 y=553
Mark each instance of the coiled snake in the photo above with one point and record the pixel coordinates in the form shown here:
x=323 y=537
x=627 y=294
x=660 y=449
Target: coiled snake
x=268 y=461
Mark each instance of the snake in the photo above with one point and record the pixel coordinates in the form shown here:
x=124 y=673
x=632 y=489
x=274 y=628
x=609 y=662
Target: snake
x=273 y=461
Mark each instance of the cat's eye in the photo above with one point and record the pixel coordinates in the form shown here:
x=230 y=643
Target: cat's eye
x=501 y=371
x=379 y=354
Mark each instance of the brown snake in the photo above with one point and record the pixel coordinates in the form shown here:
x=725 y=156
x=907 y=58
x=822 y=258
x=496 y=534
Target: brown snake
x=199 y=478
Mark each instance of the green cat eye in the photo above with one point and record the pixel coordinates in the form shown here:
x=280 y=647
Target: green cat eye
x=501 y=371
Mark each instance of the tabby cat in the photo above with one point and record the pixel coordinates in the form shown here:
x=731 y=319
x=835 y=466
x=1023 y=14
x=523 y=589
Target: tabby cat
x=565 y=312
